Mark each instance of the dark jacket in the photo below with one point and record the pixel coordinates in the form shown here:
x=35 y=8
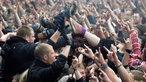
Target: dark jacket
x=18 y=60
x=42 y=72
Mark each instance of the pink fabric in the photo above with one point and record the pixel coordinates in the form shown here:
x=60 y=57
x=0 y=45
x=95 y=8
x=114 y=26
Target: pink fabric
x=80 y=29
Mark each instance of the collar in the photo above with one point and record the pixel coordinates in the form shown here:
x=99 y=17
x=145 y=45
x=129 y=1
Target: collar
x=38 y=62
x=15 y=39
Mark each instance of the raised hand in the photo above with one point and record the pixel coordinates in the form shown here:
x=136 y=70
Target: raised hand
x=107 y=17
x=93 y=79
x=92 y=71
x=128 y=44
x=106 y=5
x=14 y=8
x=1 y=4
x=130 y=24
x=99 y=57
x=75 y=62
x=112 y=54
x=95 y=66
x=103 y=76
x=88 y=52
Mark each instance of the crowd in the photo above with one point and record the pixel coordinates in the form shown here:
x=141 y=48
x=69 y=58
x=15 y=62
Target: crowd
x=72 y=40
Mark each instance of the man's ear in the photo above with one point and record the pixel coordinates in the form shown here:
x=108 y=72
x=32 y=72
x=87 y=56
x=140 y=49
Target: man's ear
x=45 y=58
x=26 y=38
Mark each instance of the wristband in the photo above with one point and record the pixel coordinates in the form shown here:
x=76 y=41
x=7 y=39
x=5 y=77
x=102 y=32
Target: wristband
x=125 y=66
x=103 y=66
x=128 y=51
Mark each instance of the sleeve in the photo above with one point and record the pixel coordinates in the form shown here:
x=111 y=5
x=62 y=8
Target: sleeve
x=81 y=80
x=54 y=70
x=60 y=43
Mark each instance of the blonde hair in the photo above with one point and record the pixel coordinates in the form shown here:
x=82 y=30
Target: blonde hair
x=137 y=75
x=23 y=76
x=24 y=31
x=42 y=49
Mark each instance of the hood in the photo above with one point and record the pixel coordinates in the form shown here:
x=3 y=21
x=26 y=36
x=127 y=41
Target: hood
x=15 y=39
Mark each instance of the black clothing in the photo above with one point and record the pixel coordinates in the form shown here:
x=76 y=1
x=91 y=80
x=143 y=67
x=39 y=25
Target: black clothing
x=18 y=60
x=22 y=56
x=42 y=72
x=7 y=30
x=71 y=79
x=81 y=80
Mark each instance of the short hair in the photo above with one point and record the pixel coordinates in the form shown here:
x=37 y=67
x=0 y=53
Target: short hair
x=42 y=49
x=138 y=75
x=23 y=31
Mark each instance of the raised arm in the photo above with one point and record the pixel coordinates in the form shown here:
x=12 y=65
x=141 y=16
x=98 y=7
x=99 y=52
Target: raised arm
x=114 y=4
x=53 y=8
x=55 y=36
x=66 y=50
x=1 y=33
x=111 y=28
x=16 y=15
x=99 y=58
x=78 y=75
x=7 y=36
x=20 y=9
x=121 y=70
x=107 y=6
x=3 y=21
x=131 y=4
x=127 y=52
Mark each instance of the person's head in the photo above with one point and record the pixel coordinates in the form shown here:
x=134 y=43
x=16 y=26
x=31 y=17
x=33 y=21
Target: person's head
x=137 y=18
x=16 y=78
x=137 y=75
x=23 y=21
x=45 y=53
x=82 y=70
x=31 y=19
x=120 y=43
x=51 y=19
x=26 y=33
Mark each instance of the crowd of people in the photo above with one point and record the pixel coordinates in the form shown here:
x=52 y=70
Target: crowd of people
x=72 y=40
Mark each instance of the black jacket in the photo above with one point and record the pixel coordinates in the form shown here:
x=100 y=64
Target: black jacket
x=21 y=57
x=19 y=60
x=42 y=72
